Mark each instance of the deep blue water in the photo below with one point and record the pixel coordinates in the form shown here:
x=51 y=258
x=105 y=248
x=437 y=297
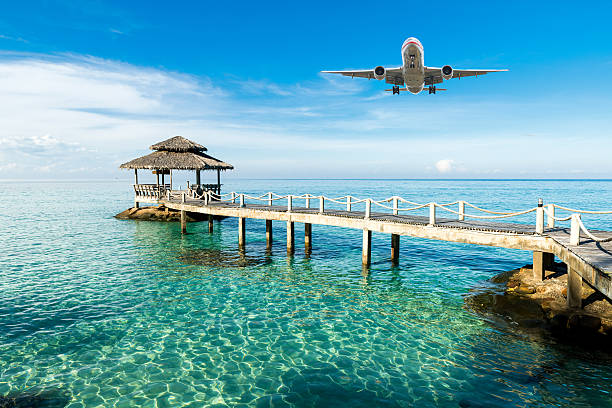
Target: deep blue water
x=96 y=311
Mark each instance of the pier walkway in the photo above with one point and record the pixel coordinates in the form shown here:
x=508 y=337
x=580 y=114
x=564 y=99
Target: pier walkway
x=588 y=258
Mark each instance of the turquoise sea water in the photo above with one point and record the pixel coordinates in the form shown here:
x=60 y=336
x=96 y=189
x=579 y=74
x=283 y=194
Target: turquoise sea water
x=98 y=312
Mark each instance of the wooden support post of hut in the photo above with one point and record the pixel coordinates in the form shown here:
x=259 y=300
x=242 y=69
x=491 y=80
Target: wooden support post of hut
x=308 y=237
x=176 y=153
x=290 y=237
x=395 y=246
x=136 y=203
x=269 y=234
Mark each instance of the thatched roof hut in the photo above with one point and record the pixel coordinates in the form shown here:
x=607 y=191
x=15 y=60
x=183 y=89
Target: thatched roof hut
x=176 y=153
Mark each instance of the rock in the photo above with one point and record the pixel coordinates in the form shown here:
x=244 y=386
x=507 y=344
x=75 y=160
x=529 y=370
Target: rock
x=513 y=284
x=584 y=322
x=159 y=213
x=531 y=323
x=513 y=296
x=525 y=290
x=559 y=321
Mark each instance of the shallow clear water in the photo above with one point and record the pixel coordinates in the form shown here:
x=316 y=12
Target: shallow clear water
x=96 y=311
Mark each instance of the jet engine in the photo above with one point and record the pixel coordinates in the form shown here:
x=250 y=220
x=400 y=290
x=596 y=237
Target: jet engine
x=447 y=72
x=379 y=73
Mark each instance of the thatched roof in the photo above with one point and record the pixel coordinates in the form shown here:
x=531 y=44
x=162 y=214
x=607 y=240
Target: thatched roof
x=177 y=153
x=178 y=144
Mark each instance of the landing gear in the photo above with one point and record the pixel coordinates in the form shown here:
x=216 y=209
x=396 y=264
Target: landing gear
x=432 y=89
x=396 y=89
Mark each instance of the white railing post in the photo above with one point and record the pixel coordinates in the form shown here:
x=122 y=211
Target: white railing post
x=540 y=217
x=432 y=213
x=168 y=194
x=461 y=210
x=348 y=203
x=270 y=199
x=368 y=208
x=307 y=200
x=395 y=210
x=241 y=200
x=575 y=230
x=321 y=204
x=182 y=197
x=551 y=216
x=206 y=197
x=289 y=203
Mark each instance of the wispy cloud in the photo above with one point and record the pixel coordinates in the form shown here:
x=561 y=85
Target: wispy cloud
x=10 y=38
x=74 y=113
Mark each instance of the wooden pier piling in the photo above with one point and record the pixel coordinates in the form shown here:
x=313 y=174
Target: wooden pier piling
x=269 y=234
x=307 y=237
x=590 y=260
x=541 y=261
x=290 y=237
x=183 y=222
x=241 y=233
x=210 y=223
x=366 y=252
x=395 y=246
x=574 y=288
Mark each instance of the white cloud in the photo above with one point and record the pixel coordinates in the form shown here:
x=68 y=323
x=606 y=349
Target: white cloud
x=18 y=39
x=444 y=166
x=85 y=116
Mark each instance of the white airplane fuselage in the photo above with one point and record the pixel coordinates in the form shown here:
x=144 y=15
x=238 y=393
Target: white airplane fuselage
x=413 y=66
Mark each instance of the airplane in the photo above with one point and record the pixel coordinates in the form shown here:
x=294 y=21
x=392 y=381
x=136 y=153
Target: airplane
x=413 y=73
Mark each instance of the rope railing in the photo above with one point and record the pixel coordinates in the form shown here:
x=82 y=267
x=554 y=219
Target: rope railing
x=580 y=211
x=577 y=226
x=488 y=217
x=542 y=211
x=486 y=211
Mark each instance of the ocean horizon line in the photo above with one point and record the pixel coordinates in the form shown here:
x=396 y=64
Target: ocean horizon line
x=129 y=180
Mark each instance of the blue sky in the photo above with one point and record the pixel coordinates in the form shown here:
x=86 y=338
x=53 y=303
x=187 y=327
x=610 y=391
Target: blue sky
x=88 y=85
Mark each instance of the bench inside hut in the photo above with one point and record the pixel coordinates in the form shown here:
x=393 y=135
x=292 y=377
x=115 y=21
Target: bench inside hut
x=176 y=153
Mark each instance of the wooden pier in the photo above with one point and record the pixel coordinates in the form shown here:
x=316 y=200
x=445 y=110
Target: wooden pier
x=588 y=260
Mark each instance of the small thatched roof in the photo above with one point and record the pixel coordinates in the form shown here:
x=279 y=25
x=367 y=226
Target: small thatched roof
x=178 y=144
x=177 y=153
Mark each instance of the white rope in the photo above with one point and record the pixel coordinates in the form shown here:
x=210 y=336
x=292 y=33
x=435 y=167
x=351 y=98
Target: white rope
x=487 y=217
x=337 y=200
x=386 y=200
x=378 y=203
x=271 y=196
x=593 y=237
x=487 y=211
x=406 y=201
x=582 y=211
x=448 y=204
x=556 y=218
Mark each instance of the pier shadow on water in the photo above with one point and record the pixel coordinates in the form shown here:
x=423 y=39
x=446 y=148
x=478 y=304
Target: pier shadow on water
x=222 y=258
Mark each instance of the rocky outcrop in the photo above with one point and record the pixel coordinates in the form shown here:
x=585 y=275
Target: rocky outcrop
x=516 y=298
x=157 y=213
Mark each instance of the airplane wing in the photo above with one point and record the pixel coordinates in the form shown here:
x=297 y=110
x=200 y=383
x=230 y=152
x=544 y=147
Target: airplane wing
x=433 y=75
x=392 y=75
